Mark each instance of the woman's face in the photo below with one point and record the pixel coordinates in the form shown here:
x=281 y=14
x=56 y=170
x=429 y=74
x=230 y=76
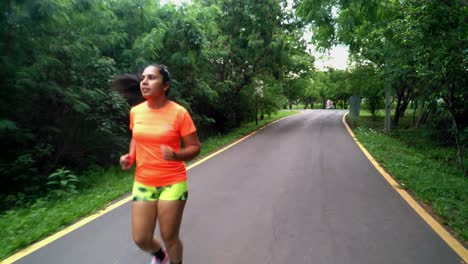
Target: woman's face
x=151 y=84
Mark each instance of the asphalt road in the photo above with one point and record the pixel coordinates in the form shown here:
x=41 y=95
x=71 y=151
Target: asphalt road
x=299 y=191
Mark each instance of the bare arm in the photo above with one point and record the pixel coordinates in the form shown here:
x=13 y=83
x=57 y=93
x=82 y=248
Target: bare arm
x=132 y=149
x=126 y=160
x=191 y=150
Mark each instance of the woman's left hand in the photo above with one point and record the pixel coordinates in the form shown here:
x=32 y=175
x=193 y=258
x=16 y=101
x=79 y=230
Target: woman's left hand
x=168 y=153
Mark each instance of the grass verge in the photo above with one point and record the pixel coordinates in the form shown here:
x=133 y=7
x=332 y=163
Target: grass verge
x=427 y=170
x=23 y=226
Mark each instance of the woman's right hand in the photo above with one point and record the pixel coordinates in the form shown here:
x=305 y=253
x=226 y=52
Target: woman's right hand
x=126 y=161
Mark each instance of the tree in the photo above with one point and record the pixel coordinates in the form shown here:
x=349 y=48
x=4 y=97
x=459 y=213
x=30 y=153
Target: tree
x=55 y=85
x=59 y=58
x=365 y=80
x=418 y=46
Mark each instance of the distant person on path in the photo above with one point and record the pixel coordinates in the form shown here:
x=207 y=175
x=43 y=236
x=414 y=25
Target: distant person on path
x=330 y=104
x=160 y=191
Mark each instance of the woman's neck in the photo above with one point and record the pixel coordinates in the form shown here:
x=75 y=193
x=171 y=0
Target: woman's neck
x=157 y=103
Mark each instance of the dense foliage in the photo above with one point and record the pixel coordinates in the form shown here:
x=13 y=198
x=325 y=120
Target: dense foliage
x=230 y=62
x=418 y=48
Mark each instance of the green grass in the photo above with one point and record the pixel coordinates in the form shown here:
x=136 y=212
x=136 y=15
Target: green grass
x=22 y=226
x=427 y=170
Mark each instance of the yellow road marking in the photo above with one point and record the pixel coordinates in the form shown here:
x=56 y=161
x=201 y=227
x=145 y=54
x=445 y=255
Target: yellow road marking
x=30 y=249
x=438 y=228
x=63 y=232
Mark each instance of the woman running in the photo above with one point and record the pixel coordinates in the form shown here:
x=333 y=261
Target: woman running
x=158 y=126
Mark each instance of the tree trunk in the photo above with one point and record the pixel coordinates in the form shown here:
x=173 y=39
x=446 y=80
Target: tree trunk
x=415 y=107
x=396 y=116
x=345 y=105
x=456 y=128
x=426 y=109
x=307 y=101
x=387 y=108
x=256 y=110
x=404 y=96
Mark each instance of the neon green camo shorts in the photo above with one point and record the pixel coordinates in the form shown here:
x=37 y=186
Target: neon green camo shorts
x=174 y=192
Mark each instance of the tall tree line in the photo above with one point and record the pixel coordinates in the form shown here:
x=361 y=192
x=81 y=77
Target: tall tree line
x=417 y=48
x=230 y=61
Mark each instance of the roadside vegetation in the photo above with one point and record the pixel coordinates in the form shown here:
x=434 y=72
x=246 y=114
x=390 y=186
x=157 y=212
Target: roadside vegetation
x=234 y=64
x=426 y=167
x=23 y=225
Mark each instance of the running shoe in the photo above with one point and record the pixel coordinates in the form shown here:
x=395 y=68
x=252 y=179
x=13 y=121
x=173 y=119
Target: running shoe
x=155 y=260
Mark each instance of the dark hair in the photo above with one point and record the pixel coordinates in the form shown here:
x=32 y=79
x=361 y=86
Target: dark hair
x=164 y=71
x=129 y=84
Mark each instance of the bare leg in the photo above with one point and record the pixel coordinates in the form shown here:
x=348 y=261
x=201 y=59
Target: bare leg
x=144 y=215
x=170 y=218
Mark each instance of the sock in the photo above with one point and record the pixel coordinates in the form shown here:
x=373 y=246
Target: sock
x=159 y=254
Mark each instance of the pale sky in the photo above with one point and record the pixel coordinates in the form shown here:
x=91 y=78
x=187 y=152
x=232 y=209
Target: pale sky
x=177 y=2
x=336 y=58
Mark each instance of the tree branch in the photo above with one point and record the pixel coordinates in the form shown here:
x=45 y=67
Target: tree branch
x=450 y=3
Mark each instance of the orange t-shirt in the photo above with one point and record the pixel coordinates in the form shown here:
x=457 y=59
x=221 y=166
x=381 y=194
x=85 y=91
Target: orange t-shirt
x=152 y=128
